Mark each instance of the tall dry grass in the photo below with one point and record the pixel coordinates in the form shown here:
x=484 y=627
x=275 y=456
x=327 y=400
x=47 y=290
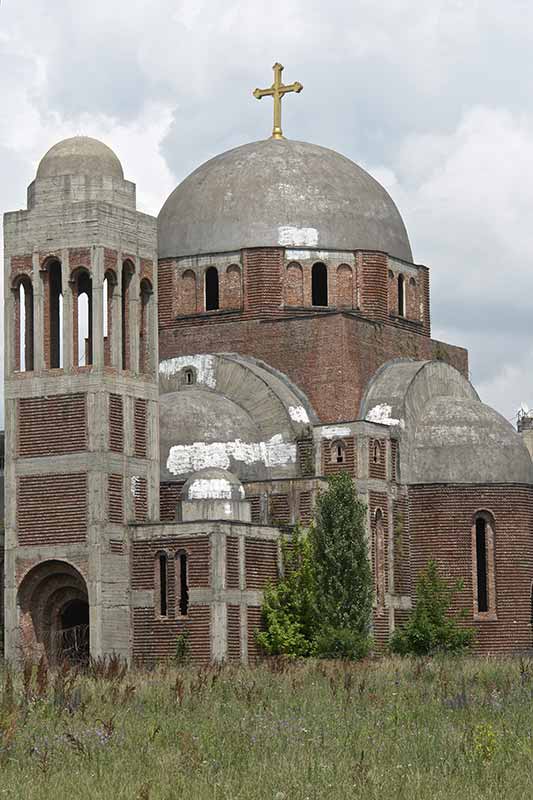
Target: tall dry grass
x=443 y=728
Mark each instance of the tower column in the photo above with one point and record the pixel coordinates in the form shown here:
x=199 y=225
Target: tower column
x=38 y=315
x=67 y=331
x=98 y=307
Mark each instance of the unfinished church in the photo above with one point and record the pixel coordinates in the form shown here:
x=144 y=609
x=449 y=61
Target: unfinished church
x=179 y=389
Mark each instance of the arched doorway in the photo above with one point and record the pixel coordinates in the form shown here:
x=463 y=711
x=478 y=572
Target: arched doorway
x=54 y=610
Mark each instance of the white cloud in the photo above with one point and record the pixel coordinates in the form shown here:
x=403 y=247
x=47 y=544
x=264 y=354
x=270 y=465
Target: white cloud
x=431 y=96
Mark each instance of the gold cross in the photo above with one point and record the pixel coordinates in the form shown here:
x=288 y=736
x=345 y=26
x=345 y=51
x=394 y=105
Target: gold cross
x=277 y=90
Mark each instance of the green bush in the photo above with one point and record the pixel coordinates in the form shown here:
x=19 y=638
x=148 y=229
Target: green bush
x=430 y=629
x=288 y=606
x=182 y=652
x=341 y=643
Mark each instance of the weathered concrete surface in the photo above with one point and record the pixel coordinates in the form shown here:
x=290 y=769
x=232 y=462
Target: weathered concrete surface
x=80 y=155
x=280 y=193
x=447 y=435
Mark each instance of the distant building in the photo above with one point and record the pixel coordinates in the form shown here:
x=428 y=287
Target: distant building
x=178 y=390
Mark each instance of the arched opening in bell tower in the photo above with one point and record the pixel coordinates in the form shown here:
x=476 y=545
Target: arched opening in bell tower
x=83 y=293
x=55 y=315
x=24 y=324
x=128 y=270
x=145 y=326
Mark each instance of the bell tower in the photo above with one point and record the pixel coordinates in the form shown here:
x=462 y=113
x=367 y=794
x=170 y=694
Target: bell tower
x=81 y=394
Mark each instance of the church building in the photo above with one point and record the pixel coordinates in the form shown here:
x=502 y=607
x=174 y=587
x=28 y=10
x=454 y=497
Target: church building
x=179 y=389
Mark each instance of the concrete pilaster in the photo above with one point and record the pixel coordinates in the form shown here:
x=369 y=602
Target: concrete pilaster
x=67 y=332
x=97 y=304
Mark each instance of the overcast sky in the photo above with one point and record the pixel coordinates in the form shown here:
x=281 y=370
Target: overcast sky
x=434 y=98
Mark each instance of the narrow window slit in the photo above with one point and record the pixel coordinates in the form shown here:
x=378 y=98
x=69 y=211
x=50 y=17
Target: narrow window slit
x=163 y=585
x=211 y=290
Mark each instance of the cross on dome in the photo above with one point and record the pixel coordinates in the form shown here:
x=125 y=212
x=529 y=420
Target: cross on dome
x=276 y=91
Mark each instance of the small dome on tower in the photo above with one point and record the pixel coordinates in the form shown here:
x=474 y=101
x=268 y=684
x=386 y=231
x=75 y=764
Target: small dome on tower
x=80 y=155
x=280 y=193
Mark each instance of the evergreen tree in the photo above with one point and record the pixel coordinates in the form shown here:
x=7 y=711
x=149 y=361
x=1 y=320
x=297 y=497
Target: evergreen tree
x=430 y=628
x=344 y=590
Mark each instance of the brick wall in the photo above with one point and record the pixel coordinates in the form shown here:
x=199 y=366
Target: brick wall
x=377 y=458
x=115 y=496
x=263 y=280
x=402 y=548
x=279 y=511
x=330 y=466
x=232 y=562
x=139 y=427
x=231 y=287
x=49 y=426
x=169 y=497
x=155 y=639
x=294 y=285
x=305 y=451
x=305 y=508
x=116 y=423
x=440 y=522
x=261 y=562
x=234 y=633
x=372 y=268
x=254 y=624
x=144 y=554
x=165 y=291
x=330 y=356
x=140 y=498
x=51 y=509
x=345 y=288
x=380 y=562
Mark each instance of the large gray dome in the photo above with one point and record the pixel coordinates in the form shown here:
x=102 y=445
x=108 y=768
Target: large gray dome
x=80 y=155
x=279 y=192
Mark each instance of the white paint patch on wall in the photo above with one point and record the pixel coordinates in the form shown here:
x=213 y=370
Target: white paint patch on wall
x=275 y=452
x=289 y=236
x=382 y=414
x=213 y=489
x=334 y=432
x=204 y=367
x=298 y=414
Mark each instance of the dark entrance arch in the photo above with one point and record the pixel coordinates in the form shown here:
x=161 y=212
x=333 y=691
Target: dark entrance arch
x=54 y=608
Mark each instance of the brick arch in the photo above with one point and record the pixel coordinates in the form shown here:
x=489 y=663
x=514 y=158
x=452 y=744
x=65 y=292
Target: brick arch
x=379 y=559
x=80 y=283
x=345 y=282
x=44 y=594
x=23 y=340
x=293 y=285
x=412 y=299
x=187 y=293
x=232 y=287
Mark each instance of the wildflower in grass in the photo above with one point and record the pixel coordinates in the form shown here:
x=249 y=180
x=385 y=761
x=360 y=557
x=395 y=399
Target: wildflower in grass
x=484 y=742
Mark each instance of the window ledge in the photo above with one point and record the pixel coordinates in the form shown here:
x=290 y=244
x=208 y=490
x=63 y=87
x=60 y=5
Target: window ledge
x=485 y=616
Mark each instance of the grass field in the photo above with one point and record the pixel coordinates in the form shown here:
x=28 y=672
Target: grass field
x=445 y=728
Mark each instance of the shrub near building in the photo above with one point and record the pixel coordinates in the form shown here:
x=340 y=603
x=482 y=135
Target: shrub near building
x=323 y=604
